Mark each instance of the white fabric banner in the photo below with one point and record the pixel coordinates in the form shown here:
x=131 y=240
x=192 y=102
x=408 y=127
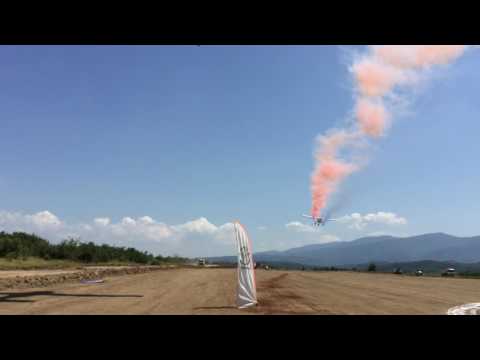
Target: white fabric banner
x=246 y=289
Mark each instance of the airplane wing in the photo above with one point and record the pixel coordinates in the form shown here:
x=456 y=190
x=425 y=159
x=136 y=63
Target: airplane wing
x=307 y=216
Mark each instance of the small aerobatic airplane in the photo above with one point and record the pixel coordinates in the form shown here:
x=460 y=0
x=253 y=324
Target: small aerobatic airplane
x=318 y=221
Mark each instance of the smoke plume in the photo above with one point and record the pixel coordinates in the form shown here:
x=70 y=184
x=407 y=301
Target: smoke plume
x=376 y=75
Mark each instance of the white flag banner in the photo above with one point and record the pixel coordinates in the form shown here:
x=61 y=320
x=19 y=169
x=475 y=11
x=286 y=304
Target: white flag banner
x=246 y=289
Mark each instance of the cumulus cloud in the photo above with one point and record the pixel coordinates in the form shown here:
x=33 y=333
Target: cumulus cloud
x=201 y=225
x=15 y=221
x=299 y=227
x=146 y=220
x=328 y=238
x=224 y=234
x=101 y=221
x=359 y=221
x=308 y=229
x=128 y=221
x=194 y=237
x=388 y=233
x=45 y=218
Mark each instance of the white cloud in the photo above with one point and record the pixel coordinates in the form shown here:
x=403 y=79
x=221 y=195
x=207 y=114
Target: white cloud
x=359 y=222
x=261 y=228
x=45 y=218
x=146 y=220
x=201 y=225
x=299 y=227
x=328 y=238
x=386 y=218
x=387 y=233
x=378 y=233
x=311 y=234
x=225 y=234
x=102 y=221
x=192 y=238
x=306 y=235
x=128 y=221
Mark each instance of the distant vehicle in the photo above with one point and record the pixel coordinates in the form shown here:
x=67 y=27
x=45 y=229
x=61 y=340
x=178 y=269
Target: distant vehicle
x=317 y=221
x=419 y=273
x=449 y=272
x=398 y=271
x=201 y=262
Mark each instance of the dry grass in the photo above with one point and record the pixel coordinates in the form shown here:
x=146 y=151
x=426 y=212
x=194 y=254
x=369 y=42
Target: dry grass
x=33 y=263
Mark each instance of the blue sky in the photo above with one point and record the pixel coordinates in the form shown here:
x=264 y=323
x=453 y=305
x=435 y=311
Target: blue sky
x=181 y=133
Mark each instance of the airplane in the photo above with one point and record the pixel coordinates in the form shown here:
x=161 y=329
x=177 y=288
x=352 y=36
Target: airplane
x=318 y=221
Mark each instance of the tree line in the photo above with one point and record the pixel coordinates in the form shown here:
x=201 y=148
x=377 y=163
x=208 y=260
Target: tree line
x=22 y=245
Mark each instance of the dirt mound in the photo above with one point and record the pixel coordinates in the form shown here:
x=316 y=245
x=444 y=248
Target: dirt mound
x=42 y=280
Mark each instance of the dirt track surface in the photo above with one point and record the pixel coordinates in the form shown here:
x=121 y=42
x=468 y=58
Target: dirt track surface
x=212 y=291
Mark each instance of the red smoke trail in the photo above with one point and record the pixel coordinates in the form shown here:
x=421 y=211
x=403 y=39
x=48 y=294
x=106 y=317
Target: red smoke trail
x=329 y=170
x=375 y=75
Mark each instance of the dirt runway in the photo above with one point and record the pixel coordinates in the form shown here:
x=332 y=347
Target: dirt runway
x=212 y=291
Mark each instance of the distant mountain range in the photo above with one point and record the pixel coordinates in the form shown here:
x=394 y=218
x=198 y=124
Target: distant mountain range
x=437 y=247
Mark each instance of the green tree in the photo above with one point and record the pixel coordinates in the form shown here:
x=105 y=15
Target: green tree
x=22 y=245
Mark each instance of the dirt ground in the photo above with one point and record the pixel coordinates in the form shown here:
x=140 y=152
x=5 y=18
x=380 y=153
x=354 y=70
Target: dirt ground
x=212 y=291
